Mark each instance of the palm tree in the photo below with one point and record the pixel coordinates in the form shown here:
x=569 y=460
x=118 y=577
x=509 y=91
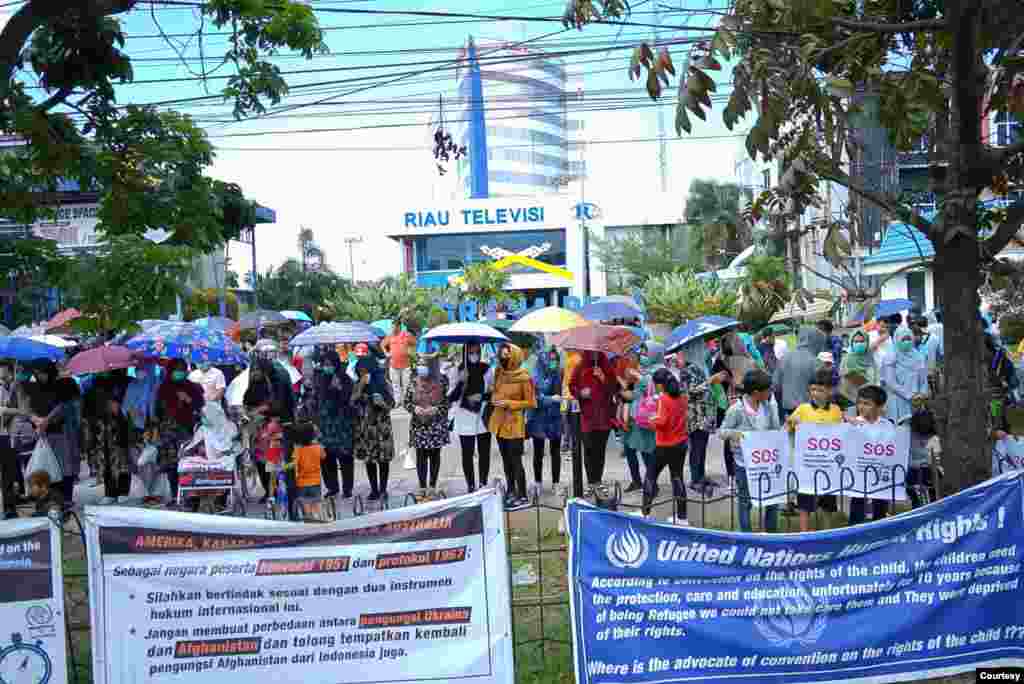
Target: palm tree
x=713 y=212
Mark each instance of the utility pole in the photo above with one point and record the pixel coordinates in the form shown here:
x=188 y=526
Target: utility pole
x=352 y=241
x=662 y=147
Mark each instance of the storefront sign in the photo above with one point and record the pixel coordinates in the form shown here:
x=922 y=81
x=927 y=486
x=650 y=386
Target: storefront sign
x=416 y=594
x=907 y=598
x=73 y=226
x=33 y=646
x=469 y=218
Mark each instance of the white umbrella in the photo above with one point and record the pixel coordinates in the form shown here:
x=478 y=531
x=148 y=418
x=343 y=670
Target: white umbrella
x=464 y=333
x=235 y=392
x=53 y=341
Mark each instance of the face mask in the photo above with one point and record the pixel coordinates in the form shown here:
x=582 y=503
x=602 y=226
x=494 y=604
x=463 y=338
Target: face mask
x=24 y=377
x=646 y=361
x=328 y=370
x=178 y=376
x=553 y=365
x=905 y=345
x=204 y=367
x=422 y=371
x=474 y=358
x=859 y=347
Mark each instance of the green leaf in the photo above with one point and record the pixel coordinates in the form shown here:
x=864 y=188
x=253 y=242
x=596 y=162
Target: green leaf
x=682 y=119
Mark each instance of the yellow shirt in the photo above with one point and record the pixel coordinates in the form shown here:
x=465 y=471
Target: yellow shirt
x=806 y=413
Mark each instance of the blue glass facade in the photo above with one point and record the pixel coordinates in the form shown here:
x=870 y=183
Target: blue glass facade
x=451 y=253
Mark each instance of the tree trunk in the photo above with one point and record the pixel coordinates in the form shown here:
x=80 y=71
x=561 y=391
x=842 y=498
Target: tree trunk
x=965 y=441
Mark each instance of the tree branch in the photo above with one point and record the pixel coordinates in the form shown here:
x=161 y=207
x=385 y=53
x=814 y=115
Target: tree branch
x=55 y=99
x=903 y=27
x=886 y=203
x=834 y=281
x=1006 y=231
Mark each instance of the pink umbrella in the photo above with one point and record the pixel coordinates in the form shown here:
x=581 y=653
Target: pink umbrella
x=101 y=360
x=63 y=318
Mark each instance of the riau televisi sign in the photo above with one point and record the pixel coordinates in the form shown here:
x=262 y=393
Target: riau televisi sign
x=468 y=218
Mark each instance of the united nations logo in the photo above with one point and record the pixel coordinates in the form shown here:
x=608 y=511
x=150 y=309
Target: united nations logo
x=627 y=549
x=39 y=616
x=791 y=617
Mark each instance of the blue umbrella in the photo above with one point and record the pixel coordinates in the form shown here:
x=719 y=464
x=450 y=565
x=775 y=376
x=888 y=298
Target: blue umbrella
x=887 y=307
x=698 y=328
x=25 y=350
x=219 y=323
x=350 y=332
x=297 y=316
x=609 y=310
x=385 y=326
x=189 y=342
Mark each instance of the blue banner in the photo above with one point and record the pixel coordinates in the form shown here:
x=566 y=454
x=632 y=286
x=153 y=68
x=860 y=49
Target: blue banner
x=929 y=593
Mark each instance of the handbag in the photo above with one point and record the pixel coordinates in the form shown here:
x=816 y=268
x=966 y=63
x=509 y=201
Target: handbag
x=647 y=408
x=45 y=460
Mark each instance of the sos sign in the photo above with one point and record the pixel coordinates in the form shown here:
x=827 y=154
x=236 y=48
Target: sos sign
x=765 y=456
x=879 y=449
x=824 y=444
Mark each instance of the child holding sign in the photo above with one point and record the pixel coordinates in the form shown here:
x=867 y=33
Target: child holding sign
x=755 y=411
x=870 y=407
x=823 y=411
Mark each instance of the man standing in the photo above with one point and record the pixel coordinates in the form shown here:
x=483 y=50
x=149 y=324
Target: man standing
x=797 y=368
x=397 y=346
x=833 y=345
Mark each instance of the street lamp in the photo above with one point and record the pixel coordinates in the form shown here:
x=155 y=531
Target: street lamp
x=352 y=241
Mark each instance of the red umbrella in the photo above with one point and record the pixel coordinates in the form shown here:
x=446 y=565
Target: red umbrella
x=609 y=339
x=100 y=360
x=63 y=318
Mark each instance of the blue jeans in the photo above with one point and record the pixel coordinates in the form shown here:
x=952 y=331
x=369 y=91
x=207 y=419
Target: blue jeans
x=771 y=513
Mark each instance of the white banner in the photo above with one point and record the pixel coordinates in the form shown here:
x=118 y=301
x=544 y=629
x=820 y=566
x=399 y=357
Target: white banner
x=881 y=456
x=33 y=647
x=768 y=466
x=820 y=453
x=419 y=593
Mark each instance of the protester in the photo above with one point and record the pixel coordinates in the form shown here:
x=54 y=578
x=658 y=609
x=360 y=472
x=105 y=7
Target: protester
x=571 y=404
x=733 y=356
x=47 y=499
x=374 y=442
x=22 y=430
x=639 y=439
x=211 y=379
x=544 y=423
x=767 y=349
x=594 y=384
x=107 y=440
x=470 y=390
x=670 y=442
x=267 y=447
x=857 y=368
x=307 y=459
x=332 y=394
x=179 y=405
x=754 y=411
x=794 y=373
x=426 y=400
x=822 y=410
x=398 y=346
x=833 y=345
x=513 y=395
x=139 y=403
x=925 y=450
x=903 y=375
x=869 y=410
x=8 y=458
x=689 y=365
x=56 y=415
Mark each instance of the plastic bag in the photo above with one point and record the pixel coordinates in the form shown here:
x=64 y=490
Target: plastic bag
x=1007 y=455
x=44 y=459
x=148 y=456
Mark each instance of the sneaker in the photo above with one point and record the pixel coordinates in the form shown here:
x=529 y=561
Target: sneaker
x=510 y=503
x=106 y=501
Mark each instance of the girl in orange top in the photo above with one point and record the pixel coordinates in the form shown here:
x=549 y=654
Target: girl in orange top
x=670 y=439
x=306 y=459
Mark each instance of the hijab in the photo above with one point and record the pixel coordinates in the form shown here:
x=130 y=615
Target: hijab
x=695 y=358
x=139 y=403
x=326 y=388
x=906 y=363
x=546 y=379
x=378 y=384
x=854 y=363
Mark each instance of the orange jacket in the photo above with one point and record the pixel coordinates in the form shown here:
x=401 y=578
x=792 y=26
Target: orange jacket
x=307 y=465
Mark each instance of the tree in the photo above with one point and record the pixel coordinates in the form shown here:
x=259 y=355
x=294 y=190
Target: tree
x=482 y=283
x=147 y=164
x=127 y=279
x=206 y=302
x=638 y=256
x=389 y=298
x=289 y=286
x=713 y=213
x=674 y=298
x=31 y=265
x=231 y=280
x=764 y=289
x=801 y=70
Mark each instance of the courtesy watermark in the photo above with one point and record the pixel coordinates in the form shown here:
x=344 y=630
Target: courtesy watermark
x=999 y=674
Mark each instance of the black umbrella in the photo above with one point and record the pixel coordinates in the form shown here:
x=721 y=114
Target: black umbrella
x=254 y=320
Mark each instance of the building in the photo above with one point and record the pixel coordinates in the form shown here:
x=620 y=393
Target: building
x=542 y=241
x=513 y=118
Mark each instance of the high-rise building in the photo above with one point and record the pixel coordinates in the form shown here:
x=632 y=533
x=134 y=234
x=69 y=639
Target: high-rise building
x=513 y=117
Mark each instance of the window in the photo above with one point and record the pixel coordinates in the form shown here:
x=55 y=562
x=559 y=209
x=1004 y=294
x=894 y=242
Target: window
x=767 y=176
x=1007 y=129
x=453 y=252
x=915 y=289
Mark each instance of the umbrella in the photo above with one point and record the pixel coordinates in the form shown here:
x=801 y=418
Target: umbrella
x=346 y=332
x=53 y=341
x=261 y=319
x=297 y=316
x=698 y=328
x=25 y=350
x=887 y=307
x=100 y=360
x=62 y=319
x=465 y=333
x=609 y=310
x=502 y=324
x=29 y=331
x=385 y=326
x=550 y=319
x=608 y=339
x=775 y=329
x=186 y=341
x=642 y=333
x=266 y=345
x=219 y=323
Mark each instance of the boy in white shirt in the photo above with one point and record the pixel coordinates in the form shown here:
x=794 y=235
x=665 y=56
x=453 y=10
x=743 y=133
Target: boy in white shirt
x=869 y=410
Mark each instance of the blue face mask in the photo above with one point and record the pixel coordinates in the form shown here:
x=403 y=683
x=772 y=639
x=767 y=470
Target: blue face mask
x=328 y=370
x=905 y=345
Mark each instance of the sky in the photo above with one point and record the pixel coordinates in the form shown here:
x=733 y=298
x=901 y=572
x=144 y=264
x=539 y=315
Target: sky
x=377 y=152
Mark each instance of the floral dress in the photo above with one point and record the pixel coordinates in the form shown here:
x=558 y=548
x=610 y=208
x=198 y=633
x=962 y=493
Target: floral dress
x=373 y=436
x=428 y=432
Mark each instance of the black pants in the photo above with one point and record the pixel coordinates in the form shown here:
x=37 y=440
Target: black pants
x=555 y=448
x=428 y=467
x=114 y=486
x=8 y=475
x=858 y=510
x=378 y=474
x=595 y=447
x=482 y=444
x=335 y=458
x=512 y=459
x=698 y=455
x=261 y=468
x=673 y=457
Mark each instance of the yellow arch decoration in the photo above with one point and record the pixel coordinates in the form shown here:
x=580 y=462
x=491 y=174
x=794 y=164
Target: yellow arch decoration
x=512 y=259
